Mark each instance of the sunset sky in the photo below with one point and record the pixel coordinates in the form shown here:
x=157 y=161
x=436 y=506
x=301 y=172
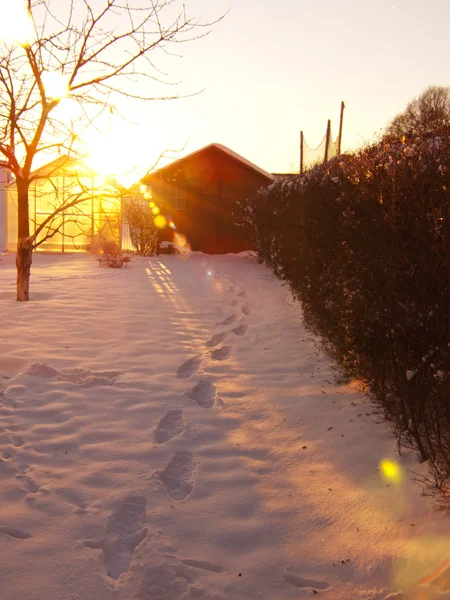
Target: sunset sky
x=271 y=68
x=267 y=70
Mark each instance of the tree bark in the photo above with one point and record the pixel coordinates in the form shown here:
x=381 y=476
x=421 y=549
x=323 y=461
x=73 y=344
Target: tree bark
x=24 y=243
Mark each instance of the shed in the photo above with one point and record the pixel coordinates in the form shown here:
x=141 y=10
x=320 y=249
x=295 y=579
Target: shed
x=200 y=192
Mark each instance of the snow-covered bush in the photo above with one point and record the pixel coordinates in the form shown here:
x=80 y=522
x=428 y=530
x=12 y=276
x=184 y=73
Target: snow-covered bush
x=364 y=241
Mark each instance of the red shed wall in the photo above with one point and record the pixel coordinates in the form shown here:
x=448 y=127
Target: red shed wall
x=210 y=183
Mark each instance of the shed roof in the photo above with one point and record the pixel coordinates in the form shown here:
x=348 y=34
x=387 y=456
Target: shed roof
x=221 y=148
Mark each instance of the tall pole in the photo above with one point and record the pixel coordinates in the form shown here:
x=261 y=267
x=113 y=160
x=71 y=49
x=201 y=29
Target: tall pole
x=327 y=140
x=340 y=127
x=301 y=152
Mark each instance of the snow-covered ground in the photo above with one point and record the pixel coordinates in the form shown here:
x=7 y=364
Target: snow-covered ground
x=170 y=432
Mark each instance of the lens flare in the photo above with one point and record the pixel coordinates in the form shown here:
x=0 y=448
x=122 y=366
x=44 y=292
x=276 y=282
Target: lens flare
x=155 y=210
x=172 y=225
x=151 y=204
x=421 y=564
x=181 y=240
x=391 y=471
x=160 y=221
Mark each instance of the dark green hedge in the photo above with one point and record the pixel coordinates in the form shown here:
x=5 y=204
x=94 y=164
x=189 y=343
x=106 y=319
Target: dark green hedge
x=364 y=242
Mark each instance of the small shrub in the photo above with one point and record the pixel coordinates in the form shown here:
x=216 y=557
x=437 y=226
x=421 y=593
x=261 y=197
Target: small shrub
x=143 y=232
x=113 y=256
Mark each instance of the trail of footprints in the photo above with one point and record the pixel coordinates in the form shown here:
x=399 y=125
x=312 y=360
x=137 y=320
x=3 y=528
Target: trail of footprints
x=125 y=530
x=126 y=527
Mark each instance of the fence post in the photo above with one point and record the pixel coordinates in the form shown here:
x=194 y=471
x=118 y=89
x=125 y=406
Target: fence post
x=327 y=140
x=340 y=127
x=301 y=152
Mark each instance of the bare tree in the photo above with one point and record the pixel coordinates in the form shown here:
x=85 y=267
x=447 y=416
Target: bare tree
x=93 y=50
x=429 y=111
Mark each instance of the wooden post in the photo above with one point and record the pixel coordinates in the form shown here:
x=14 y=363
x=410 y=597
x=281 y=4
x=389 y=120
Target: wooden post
x=327 y=140
x=301 y=152
x=340 y=127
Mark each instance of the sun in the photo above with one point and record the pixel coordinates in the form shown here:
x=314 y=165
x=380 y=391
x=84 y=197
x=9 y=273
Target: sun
x=117 y=149
x=56 y=85
x=16 y=25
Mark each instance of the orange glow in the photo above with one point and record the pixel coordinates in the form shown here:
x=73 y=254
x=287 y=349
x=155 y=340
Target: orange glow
x=181 y=240
x=155 y=210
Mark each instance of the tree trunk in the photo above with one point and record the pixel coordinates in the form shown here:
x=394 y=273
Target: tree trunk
x=24 y=243
x=23 y=264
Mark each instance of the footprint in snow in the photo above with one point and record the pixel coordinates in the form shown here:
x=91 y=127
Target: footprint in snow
x=306 y=583
x=189 y=367
x=28 y=482
x=234 y=303
x=221 y=353
x=246 y=310
x=178 y=476
x=229 y=320
x=202 y=564
x=124 y=532
x=169 y=426
x=15 y=532
x=204 y=393
x=17 y=440
x=161 y=582
x=241 y=294
x=217 y=339
x=240 y=329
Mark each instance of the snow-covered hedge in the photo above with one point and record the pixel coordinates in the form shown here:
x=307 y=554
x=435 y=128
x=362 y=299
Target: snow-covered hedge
x=364 y=241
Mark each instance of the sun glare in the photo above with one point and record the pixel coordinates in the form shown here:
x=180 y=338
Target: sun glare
x=56 y=84
x=117 y=150
x=15 y=23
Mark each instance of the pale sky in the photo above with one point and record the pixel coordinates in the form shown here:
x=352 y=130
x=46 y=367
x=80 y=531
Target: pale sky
x=271 y=68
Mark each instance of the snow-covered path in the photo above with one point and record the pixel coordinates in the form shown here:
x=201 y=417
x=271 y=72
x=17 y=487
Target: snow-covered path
x=170 y=432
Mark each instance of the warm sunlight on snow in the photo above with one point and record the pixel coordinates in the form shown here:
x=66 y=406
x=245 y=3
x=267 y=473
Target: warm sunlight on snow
x=208 y=438
x=15 y=23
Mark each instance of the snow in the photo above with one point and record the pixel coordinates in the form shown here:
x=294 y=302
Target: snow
x=169 y=431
